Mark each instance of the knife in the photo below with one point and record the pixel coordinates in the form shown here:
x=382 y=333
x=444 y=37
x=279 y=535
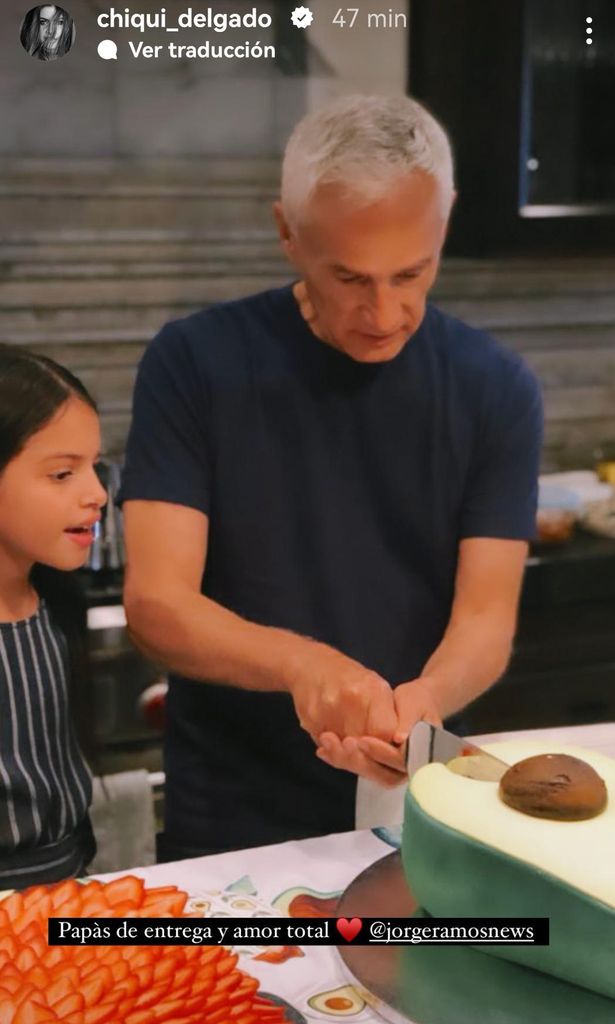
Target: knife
x=377 y=806
x=427 y=743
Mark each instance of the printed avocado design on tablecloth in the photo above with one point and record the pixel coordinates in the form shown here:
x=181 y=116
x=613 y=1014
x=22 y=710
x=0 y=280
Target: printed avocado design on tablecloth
x=241 y=899
x=303 y=902
x=344 y=1001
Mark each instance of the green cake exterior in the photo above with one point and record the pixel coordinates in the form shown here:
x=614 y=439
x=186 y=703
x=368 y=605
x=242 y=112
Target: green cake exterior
x=454 y=875
x=460 y=985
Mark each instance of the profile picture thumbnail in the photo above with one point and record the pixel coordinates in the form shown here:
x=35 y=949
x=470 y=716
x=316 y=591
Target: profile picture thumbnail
x=47 y=32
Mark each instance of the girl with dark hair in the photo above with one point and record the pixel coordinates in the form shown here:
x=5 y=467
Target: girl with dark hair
x=47 y=32
x=50 y=501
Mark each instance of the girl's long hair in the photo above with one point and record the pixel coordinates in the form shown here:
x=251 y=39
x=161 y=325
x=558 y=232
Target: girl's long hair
x=32 y=390
x=30 y=39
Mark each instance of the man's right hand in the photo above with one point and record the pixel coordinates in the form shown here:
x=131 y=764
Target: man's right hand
x=334 y=693
x=177 y=626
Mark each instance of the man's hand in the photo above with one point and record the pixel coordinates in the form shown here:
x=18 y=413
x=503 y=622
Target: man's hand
x=471 y=655
x=414 y=702
x=334 y=693
x=370 y=756
x=389 y=770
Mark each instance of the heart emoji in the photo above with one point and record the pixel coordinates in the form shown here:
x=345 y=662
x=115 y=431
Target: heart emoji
x=349 y=929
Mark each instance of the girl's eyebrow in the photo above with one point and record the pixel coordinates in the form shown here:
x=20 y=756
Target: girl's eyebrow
x=70 y=455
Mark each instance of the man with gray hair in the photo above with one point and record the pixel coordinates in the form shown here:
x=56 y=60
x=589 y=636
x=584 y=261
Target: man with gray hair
x=328 y=494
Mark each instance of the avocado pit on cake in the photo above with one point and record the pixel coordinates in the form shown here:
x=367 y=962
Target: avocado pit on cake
x=556 y=786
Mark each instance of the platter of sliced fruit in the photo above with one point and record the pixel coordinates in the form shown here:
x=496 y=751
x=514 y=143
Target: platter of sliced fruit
x=95 y=984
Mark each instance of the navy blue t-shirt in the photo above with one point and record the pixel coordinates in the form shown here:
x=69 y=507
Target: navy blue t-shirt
x=337 y=493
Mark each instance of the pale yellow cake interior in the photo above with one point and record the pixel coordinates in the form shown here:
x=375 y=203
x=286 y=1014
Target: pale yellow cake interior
x=581 y=853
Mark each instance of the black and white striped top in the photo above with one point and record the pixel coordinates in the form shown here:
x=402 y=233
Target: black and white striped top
x=45 y=784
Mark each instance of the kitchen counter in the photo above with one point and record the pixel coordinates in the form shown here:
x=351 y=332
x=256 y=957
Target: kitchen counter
x=258 y=883
x=562 y=671
x=580 y=570
x=599 y=736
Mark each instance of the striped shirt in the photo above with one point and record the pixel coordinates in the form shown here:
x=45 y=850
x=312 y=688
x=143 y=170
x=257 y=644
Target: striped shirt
x=45 y=784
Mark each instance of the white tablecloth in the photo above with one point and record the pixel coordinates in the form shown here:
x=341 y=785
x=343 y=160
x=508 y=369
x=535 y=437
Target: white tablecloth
x=257 y=882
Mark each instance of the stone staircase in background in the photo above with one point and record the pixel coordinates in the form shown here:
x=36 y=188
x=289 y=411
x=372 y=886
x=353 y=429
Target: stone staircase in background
x=95 y=257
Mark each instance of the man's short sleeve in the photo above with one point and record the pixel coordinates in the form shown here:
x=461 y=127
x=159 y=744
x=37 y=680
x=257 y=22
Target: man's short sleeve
x=502 y=491
x=167 y=456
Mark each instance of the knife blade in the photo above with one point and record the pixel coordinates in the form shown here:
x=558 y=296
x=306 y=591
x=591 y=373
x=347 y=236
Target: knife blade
x=428 y=743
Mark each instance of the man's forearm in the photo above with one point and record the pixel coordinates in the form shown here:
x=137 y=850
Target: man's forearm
x=199 y=638
x=472 y=655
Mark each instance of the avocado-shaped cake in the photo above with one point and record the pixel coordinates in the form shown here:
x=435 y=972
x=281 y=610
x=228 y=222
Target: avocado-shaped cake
x=539 y=843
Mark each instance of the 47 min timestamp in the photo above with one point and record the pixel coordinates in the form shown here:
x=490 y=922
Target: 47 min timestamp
x=348 y=17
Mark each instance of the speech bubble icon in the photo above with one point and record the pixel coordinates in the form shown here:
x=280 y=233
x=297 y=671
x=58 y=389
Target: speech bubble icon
x=107 y=49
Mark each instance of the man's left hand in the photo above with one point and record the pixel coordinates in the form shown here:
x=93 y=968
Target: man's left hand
x=373 y=758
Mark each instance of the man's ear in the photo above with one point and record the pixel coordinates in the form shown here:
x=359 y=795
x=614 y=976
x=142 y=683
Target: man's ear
x=287 y=240
x=448 y=219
